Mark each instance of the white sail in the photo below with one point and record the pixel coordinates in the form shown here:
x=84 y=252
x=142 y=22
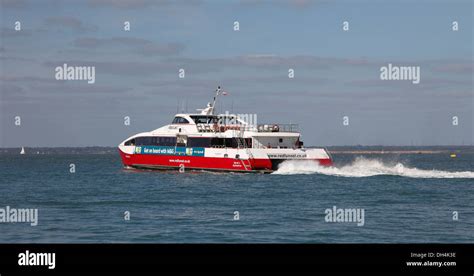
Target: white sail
x=22 y=150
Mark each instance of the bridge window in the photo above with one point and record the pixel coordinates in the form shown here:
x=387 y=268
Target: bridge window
x=180 y=120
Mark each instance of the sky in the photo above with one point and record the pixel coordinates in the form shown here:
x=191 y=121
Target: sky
x=336 y=72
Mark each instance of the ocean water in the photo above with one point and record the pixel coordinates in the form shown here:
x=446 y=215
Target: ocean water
x=405 y=197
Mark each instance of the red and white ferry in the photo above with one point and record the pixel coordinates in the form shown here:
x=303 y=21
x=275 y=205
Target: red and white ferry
x=225 y=142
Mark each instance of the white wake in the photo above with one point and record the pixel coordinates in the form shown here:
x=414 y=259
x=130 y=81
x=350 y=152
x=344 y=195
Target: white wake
x=362 y=167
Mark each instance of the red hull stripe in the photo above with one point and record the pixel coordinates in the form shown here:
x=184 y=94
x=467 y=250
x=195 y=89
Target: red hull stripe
x=200 y=162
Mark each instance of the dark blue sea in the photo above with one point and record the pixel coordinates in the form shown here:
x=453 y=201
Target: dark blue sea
x=406 y=198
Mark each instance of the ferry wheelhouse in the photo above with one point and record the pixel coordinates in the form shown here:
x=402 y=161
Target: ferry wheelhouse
x=219 y=142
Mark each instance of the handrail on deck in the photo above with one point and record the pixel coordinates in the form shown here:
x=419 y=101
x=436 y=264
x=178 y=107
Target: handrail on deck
x=277 y=128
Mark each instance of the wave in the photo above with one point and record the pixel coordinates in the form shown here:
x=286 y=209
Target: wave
x=363 y=167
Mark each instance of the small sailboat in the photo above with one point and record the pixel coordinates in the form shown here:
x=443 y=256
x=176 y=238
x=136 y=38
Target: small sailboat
x=22 y=150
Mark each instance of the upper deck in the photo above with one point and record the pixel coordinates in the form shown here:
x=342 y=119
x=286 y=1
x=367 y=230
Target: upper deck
x=220 y=130
x=223 y=122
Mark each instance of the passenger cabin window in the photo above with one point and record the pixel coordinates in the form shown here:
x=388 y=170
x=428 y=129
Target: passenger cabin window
x=199 y=142
x=180 y=120
x=130 y=142
x=166 y=141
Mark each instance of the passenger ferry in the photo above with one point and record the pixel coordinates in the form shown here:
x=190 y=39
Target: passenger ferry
x=224 y=142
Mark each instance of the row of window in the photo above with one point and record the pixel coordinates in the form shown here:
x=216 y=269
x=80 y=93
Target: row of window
x=152 y=141
x=218 y=142
x=197 y=142
x=205 y=119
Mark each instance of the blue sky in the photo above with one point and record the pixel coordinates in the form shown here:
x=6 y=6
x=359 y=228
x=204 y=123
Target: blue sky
x=336 y=72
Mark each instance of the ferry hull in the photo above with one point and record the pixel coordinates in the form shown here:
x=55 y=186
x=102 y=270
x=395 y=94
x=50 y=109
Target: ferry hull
x=170 y=162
